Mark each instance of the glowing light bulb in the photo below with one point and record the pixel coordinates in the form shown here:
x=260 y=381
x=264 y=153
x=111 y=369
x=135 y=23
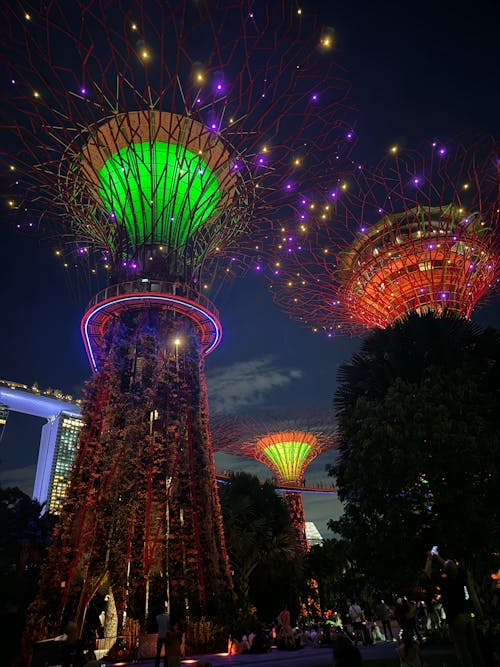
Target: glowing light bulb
x=27 y=16
x=133 y=26
x=394 y=150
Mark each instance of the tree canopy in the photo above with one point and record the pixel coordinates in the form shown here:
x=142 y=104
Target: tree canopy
x=24 y=536
x=263 y=549
x=419 y=454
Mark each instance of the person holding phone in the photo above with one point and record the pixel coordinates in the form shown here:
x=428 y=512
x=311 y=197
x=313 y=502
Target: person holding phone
x=456 y=604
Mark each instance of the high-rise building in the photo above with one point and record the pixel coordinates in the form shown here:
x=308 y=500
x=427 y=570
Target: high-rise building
x=314 y=537
x=56 y=455
x=58 y=441
x=4 y=414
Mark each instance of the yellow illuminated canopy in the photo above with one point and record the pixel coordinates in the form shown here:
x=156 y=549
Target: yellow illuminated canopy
x=288 y=453
x=287 y=457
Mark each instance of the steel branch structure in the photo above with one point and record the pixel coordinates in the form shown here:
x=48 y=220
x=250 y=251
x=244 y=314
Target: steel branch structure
x=286 y=442
x=150 y=140
x=419 y=232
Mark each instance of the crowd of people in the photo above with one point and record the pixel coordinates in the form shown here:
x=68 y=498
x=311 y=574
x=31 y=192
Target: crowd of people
x=407 y=622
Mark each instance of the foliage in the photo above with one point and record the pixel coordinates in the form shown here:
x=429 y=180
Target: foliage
x=419 y=449
x=263 y=548
x=202 y=635
x=328 y=565
x=24 y=536
x=141 y=519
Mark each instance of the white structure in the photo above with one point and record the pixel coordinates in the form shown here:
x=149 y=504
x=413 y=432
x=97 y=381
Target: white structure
x=313 y=535
x=58 y=441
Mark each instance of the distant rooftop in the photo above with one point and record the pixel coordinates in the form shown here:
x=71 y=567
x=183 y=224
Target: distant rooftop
x=312 y=534
x=35 y=389
x=37 y=402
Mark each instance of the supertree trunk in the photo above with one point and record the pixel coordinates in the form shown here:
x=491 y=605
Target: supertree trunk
x=296 y=509
x=143 y=489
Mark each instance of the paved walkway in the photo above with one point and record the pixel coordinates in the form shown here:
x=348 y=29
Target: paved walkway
x=306 y=657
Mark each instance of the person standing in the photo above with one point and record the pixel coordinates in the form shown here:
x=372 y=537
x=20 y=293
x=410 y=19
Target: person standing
x=286 y=631
x=163 y=622
x=173 y=649
x=384 y=616
x=456 y=606
x=357 y=621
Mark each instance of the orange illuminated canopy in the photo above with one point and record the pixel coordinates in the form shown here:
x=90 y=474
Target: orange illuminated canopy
x=425 y=259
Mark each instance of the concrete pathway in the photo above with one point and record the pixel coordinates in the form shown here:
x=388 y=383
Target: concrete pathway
x=306 y=657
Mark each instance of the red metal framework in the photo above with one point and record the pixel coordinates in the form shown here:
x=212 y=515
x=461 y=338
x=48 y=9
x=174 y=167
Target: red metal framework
x=419 y=232
x=150 y=140
x=252 y=89
x=144 y=295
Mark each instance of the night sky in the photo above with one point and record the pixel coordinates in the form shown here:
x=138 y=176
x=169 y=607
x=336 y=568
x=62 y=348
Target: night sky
x=419 y=71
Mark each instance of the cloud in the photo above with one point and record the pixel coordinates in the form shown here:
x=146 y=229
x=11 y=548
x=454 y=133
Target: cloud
x=247 y=383
x=24 y=478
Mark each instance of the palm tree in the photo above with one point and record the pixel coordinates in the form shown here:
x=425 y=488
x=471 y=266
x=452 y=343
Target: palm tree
x=260 y=539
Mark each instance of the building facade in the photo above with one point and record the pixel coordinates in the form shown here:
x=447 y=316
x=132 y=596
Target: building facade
x=58 y=441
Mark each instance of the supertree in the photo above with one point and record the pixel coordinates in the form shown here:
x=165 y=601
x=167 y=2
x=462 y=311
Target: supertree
x=148 y=139
x=286 y=441
x=419 y=232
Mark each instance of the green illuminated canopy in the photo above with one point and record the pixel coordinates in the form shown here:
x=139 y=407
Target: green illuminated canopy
x=288 y=458
x=162 y=177
x=161 y=192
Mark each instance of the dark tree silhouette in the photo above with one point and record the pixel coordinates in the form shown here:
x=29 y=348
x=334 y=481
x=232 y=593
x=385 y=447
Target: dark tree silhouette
x=419 y=449
x=263 y=548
